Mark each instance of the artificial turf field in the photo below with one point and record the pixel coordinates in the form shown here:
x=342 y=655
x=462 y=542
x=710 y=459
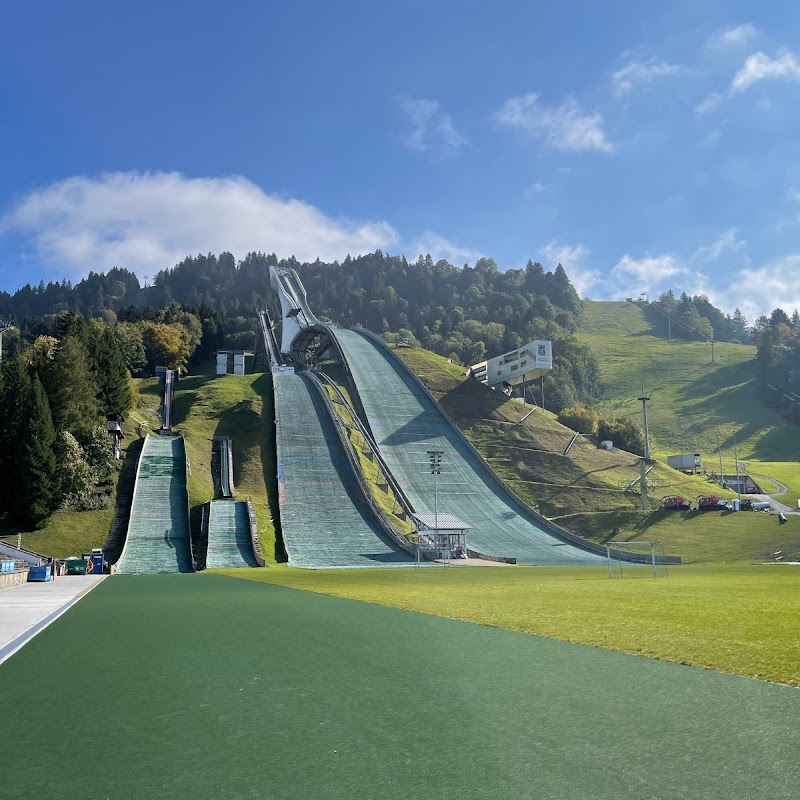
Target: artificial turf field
x=187 y=686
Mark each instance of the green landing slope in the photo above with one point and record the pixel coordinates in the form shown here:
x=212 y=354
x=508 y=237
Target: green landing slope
x=158 y=537
x=326 y=521
x=305 y=696
x=406 y=424
x=229 y=540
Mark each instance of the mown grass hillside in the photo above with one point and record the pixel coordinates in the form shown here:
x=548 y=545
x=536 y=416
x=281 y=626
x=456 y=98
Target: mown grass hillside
x=529 y=454
x=585 y=489
x=691 y=397
x=241 y=407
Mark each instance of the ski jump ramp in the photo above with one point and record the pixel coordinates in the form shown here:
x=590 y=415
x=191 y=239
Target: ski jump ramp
x=326 y=520
x=406 y=423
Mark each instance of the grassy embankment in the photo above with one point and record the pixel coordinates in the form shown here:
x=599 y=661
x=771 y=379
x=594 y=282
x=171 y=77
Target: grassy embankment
x=584 y=490
x=692 y=399
x=690 y=395
x=241 y=407
x=529 y=455
x=373 y=474
x=739 y=619
x=69 y=533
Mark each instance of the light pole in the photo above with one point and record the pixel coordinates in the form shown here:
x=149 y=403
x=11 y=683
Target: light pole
x=738 y=482
x=435 y=458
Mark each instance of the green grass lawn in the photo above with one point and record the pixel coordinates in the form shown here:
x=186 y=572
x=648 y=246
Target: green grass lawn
x=696 y=536
x=690 y=395
x=239 y=406
x=787 y=472
x=739 y=619
x=200 y=686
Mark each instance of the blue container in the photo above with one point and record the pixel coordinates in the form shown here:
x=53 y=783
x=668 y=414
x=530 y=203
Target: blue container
x=41 y=573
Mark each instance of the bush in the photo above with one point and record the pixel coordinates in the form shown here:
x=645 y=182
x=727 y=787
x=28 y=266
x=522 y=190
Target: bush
x=625 y=433
x=580 y=418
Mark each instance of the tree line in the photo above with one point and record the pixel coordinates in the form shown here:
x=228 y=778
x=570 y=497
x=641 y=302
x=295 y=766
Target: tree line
x=55 y=451
x=465 y=313
x=695 y=319
x=777 y=339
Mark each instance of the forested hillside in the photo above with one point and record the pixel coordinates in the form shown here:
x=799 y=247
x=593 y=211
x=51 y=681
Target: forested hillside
x=462 y=313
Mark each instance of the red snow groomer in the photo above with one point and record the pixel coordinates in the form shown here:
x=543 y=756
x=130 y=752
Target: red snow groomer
x=707 y=502
x=674 y=502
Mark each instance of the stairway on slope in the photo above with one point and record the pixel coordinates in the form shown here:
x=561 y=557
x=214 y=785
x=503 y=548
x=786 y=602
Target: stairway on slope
x=229 y=541
x=158 y=537
x=325 y=520
x=406 y=423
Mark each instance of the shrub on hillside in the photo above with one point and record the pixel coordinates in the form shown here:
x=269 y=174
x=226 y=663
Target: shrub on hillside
x=580 y=418
x=625 y=433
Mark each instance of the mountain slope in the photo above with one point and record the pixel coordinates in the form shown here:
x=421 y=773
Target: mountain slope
x=690 y=395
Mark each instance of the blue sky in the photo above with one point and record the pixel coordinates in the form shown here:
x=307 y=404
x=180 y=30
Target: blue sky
x=645 y=146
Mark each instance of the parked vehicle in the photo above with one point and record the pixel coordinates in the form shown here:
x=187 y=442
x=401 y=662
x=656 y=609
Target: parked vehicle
x=707 y=502
x=674 y=502
x=748 y=504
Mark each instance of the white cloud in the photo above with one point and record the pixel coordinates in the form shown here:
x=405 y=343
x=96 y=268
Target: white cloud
x=150 y=221
x=731 y=37
x=639 y=73
x=725 y=244
x=758 y=291
x=774 y=285
x=435 y=245
x=572 y=258
x=564 y=127
x=535 y=188
x=431 y=129
x=760 y=67
x=631 y=276
x=709 y=103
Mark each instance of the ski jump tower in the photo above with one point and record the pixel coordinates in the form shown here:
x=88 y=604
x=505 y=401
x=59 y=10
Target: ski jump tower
x=295 y=313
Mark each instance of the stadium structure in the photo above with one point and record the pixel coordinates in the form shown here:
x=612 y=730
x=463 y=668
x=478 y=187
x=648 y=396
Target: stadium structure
x=371 y=471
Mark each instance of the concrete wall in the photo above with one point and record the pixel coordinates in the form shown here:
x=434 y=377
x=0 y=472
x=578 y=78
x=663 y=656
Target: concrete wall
x=13 y=578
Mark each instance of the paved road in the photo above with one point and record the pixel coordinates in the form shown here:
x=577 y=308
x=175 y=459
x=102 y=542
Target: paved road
x=29 y=608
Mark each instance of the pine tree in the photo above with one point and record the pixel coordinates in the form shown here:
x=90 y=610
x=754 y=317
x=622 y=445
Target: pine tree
x=39 y=494
x=15 y=392
x=72 y=389
x=112 y=375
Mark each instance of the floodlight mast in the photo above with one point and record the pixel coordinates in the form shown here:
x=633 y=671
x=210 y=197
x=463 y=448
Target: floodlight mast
x=435 y=458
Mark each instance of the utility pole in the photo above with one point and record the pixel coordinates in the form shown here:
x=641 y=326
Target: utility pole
x=719 y=450
x=4 y=326
x=669 y=327
x=643 y=483
x=738 y=482
x=644 y=400
x=712 y=351
x=542 y=392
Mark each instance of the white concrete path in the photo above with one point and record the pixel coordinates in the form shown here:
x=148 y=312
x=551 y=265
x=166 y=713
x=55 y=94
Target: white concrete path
x=31 y=607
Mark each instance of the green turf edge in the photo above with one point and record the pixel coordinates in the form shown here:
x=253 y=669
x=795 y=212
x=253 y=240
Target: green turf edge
x=731 y=618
